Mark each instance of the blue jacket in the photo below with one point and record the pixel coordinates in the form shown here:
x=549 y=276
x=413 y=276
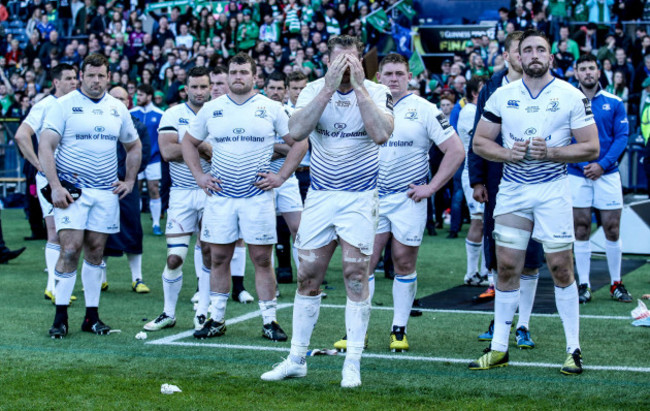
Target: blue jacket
x=613 y=131
x=150 y=116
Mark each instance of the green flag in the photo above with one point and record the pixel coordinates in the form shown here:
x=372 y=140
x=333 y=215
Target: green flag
x=416 y=64
x=406 y=8
x=378 y=19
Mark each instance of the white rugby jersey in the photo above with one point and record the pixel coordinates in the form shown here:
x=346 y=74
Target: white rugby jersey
x=404 y=159
x=89 y=130
x=37 y=114
x=557 y=110
x=177 y=120
x=242 y=138
x=466 y=127
x=277 y=164
x=343 y=156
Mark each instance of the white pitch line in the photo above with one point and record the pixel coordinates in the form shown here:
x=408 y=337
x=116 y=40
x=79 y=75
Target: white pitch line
x=411 y=357
x=185 y=334
x=431 y=310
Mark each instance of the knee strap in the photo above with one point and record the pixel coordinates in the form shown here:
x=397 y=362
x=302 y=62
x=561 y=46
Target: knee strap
x=552 y=247
x=511 y=237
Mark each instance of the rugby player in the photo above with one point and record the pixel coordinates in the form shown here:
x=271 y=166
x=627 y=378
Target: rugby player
x=536 y=116
x=597 y=184
x=84 y=127
x=241 y=128
x=64 y=79
x=346 y=118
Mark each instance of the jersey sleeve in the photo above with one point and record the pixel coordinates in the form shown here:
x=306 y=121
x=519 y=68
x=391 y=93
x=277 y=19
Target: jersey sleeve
x=438 y=127
x=466 y=124
x=306 y=95
x=383 y=98
x=198 y=126
x=492 y=111
x=167 y=123
x=55 y=119
x=35 y=117
x=281 y=122
x=128 y=133
x=581 y=113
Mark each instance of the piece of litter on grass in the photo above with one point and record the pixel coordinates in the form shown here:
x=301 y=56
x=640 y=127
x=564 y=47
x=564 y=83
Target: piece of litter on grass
x=114 y=331
x=141 y=335
x=644 y=322
x=641 y=311
x=323 y=351
x=169 y=389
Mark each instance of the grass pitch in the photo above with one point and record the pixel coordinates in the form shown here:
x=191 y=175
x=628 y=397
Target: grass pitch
x=117 y=371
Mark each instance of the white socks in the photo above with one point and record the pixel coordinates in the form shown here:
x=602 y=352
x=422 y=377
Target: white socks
x=371 y=286
x=305 y=315
x=484 y=270
x=218 y=307
x=198 y=262
x=505 y=305
x=204 y=292
x=135 y=264
x=238 y=262
x=566 y=301
x=52 y=252
x=155 y=206
x=404 y=289
x=473 y=251
x=268 y=309
x=63 y=287
x=582 y=252
x=614 y=252
x=172 y=283
x=357 y=317
x=527 y=290
x=91 y=278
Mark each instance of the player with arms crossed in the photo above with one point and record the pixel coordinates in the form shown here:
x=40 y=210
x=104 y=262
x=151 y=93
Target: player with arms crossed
x=84 y=128
x=241 y=128
x=597 y=184
x=186 y=201
x=346 y=118
x=536 y=116
x=64 y=79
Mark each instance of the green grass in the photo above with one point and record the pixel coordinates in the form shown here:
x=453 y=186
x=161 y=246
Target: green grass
x=85 y=371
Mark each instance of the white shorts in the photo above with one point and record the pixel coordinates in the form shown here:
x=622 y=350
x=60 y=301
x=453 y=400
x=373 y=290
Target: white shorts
x=287 y=197
x=226 y=220
x=547 y=205
x=96 y=210
x=152 y=172
x=476 y=209
x=606 y=193
x=403 y=217
x=185 y=211
x=46 y=207
x=352 y=216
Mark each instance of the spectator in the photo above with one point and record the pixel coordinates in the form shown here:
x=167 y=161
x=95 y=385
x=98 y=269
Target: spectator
x=99 y=23
x=619 y=87
x=163 y=33
x=642 y=51
x=247 y=32
x=607 y=51
x=563 y=58
x=51 y=49
x=641 y=74
x=586 y=39
x=606 y=73
x=33 y=22
x=82 y=18
x=184 y=38
x=621 y=64
x=45 y=27
x=599 y=11
x=622 y=39
x=557 y=10
x=504 y=18
x=572 y=46
x=269 y=31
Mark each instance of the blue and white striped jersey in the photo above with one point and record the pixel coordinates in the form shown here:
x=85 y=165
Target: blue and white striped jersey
x=404 y=159
x=36 y=115
x=343 y=156
x=89 y=130
x=558 y=109
x=242 y=138
x=177 y=120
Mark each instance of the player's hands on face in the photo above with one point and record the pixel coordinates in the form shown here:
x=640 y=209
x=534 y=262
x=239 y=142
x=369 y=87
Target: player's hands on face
x=335 y=72
x=61 y=198
x=518 y=150
x=419 y=193
x=122 y=188
x=593 y=171
x=357 y=75
x=480 y=193
x=208 y=183
x=269 y=181
x=538 y=149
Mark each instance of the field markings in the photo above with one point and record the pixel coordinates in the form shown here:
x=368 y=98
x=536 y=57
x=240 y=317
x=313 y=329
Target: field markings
x=173 y=340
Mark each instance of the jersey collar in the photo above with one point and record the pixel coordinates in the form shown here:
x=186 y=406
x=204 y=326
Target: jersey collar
x=94 y=100
x=540 y=92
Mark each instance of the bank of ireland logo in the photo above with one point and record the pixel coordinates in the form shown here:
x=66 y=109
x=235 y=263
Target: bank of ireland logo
x=340 y=126
x=238 y=130
x=100 y=129
x=530 y=131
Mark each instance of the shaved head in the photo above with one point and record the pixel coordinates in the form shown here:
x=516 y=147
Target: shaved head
x=121 y=94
